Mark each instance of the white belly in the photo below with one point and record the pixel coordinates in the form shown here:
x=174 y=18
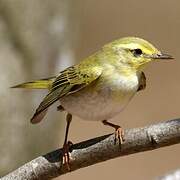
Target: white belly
x=104 y=103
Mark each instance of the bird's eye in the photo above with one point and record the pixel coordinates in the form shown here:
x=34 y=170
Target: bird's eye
x=137 y=52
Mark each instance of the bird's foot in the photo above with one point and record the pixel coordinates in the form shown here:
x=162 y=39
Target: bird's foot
x=119 y=135
x=119 y=132
x=66 y=154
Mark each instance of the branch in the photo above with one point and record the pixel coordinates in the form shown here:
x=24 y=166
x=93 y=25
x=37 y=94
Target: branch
x=100 y=149
x=175 y=175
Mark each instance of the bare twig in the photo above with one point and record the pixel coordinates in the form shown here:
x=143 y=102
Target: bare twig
x=175 y=175
x=100 y=149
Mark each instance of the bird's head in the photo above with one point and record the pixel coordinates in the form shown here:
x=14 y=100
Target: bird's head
x=134 y=53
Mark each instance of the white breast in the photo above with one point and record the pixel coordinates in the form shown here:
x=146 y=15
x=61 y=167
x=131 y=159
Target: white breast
x=108 y=101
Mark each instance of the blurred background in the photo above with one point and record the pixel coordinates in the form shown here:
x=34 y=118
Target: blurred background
x=38 y=38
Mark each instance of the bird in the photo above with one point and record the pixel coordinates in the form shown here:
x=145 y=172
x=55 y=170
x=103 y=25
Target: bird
x=100 y=86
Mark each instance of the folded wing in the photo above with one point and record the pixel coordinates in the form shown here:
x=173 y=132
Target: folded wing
x=68 y=81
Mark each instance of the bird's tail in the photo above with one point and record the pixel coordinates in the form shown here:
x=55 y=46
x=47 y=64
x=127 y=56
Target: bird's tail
x=37 y=84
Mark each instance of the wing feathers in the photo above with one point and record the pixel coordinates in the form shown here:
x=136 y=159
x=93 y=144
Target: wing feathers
x=52 y=97
x=67 y=82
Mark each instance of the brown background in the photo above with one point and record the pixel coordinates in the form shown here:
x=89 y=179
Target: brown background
x=93 y=23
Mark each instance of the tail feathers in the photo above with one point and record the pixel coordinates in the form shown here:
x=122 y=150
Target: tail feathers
x=38 y=84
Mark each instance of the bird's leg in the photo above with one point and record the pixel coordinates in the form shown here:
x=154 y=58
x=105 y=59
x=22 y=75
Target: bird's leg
x=67 y=144
x=119 y=132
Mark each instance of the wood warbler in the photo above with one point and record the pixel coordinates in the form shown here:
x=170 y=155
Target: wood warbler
x=100 y=86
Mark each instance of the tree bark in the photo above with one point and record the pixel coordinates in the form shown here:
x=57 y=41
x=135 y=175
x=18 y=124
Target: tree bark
x=100 y=149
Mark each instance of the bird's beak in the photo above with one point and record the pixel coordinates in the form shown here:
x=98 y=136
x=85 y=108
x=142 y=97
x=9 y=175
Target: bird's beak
x=161 y=56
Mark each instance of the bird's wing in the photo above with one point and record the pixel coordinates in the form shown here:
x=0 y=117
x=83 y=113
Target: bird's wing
x=67 y=82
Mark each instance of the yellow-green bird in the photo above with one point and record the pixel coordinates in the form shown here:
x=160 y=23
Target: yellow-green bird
x=100 y=86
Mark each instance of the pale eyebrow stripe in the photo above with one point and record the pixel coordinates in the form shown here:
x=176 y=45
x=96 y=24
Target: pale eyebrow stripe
x=135 y=46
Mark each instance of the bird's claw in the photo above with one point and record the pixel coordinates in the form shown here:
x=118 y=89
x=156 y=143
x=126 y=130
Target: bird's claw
x=67 y=154
x=119 y=135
